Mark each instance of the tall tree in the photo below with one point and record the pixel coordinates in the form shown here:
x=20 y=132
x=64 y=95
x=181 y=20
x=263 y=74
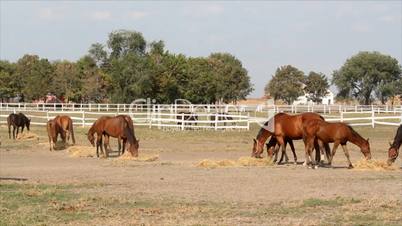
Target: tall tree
x=7 y=80
x=35 y=76
x=67 y=82
x=123 y=42
x=233 y=82
x=316 y=86
x=98 y=53
x=287 y=84
x=368 y=75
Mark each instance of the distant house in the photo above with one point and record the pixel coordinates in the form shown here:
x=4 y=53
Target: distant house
x=327 y=100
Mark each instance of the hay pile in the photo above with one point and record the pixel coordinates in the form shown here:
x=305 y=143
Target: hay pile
x=372 y=164
x=141 y=158
x=27 y=136
x=81 y=151
x=241 y=162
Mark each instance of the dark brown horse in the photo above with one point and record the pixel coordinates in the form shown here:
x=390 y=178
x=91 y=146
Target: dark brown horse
x=273 y=149
x=285 y=127
x=337 y=133
x=394 y=147
x=120 y=127
x=188 y=117
x=61 y=125
x=17 y=120
x=222 y=117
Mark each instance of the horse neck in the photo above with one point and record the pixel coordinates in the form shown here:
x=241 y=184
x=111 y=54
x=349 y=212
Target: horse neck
x=263 y=135
x=356 y=139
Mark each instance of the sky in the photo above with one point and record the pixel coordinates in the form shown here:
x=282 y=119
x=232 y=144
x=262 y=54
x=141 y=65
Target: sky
x=264 y=35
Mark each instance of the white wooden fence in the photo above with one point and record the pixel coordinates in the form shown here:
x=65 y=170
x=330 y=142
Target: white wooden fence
x=164 y=117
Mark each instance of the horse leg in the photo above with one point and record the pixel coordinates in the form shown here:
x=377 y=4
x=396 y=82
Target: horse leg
x=336 y=144
x=106 y=144
x=307 y=147
x=124 y=145
x=50 y=143
x=327 y=152
x=118 y=145
x=98 y=144
x=345 y=150
x=293 y=151
x=282 y=145
x=16 y=128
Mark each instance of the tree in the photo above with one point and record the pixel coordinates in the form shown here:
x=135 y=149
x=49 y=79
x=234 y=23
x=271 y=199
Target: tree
x=316 y=86
x=286 y=84
x=98 y=53
x=123 y=42
x=233 y=82
x=67 y=82
x=368 y=75
x=34 y=76
x=7 y=80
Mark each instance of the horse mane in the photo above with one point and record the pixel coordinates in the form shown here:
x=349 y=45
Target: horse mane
x=354 y=133
x=398 y=138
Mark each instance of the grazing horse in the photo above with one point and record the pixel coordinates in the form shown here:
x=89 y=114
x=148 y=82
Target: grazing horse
x=187 y=116
x=273 y=149
x=120 y=127
x=394 y=147
x=337 y=133
x=17 y=120
x=223 y=117
x=285 y=127
x=62 y=125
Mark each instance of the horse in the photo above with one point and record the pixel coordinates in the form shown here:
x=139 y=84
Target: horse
x=120 y=127
x=62 y=125
x=223 y=117
x=273 y=149
x=393 y=151
x=337 y=133
x=187 y=116
x=285 y=127
x=17 y=120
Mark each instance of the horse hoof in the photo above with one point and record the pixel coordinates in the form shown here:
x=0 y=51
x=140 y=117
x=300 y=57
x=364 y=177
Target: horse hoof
x=350 y=167
x=315 y=167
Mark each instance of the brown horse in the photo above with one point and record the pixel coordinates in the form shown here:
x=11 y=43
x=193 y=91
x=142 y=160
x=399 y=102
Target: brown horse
x=286 y=127
x=17 y=120
x=62 y=125
x=394 y=147
x=337 y=133
x=273 y=149
x=120 y=127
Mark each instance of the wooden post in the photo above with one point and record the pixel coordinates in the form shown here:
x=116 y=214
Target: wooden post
x=341 y=116
x=216 y=121
x=248 y=121
x=83 y=119
x=182 y=121
x=372 y=119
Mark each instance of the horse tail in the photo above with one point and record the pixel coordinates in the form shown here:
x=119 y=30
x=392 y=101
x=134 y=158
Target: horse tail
x=9 y=126
x=70 y=125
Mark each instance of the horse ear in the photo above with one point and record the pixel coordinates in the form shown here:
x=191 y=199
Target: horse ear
x=255 y=141
x=368 y=139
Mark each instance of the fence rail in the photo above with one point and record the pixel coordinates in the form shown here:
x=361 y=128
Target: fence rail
x=157 y=116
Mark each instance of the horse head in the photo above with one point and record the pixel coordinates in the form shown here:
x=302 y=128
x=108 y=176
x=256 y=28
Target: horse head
x=365 y=149
x=258 y=148
x=91 y=138
x=28 y=123
x=392 y=154
x=133 y=148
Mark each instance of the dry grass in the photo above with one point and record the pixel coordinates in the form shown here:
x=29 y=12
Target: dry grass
x=27 y=136
x=373 y=164
x=81 y=151
x=241 y=162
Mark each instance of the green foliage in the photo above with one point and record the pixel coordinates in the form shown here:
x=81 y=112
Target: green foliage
x=316 y=86
x=7 y=80
x=286 y=84
x=368 y=75
x=123 y=70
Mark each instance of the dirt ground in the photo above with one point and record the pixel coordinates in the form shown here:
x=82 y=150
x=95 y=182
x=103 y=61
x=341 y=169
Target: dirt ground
x=177 y=192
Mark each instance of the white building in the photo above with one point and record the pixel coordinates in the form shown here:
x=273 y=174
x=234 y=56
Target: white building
x=327 y=100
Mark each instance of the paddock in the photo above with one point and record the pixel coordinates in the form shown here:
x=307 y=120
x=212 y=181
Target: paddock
x=57 y=188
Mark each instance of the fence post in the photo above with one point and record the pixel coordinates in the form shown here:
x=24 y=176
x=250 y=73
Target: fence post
x=341 y=116
x=372 y=119
x=83 y=119
x=248 y=121
x=216 y=121
x=47 y=115
x=182 y=121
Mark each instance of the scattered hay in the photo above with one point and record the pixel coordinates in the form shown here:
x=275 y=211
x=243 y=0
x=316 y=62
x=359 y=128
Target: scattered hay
x=81 y=151
x=241 y=162
x=372 y=164
x=141 y=158
x=27 y=136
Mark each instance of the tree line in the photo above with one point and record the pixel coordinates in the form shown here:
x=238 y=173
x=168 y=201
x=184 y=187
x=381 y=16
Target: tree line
x=125 y=68
x=365 y=77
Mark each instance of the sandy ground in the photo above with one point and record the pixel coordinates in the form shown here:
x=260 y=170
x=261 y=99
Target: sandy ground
x=175 y=175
